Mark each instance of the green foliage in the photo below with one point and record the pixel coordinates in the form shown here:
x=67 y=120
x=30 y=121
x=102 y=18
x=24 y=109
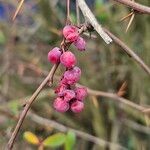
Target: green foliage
x=54 y=140
x=70 y=140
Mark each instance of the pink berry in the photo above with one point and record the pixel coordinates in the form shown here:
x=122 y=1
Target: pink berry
x=60 y=89
x=77 y=106
x=54 y=55
x=60 y=105
x=72 y=76
x=68 y=95
x=72 y=37
x=68 y=59
x=81 y=93
x=80 y=44
x=70 y=33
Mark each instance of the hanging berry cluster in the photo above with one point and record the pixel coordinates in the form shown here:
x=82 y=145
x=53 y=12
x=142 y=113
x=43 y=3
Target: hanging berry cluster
x=68 y=95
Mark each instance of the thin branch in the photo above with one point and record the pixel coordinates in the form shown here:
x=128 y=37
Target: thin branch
x=18 y=9
x=77 y=13
x=92 y=20
x=68 y=11
x=49 y=79
x=129 y=51
x=146 y=111
x=116 y=98
x=137 y=7
x=62 y=128
x=102 y=31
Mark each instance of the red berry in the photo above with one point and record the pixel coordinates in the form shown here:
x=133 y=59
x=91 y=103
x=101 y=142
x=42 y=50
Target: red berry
x=68 y=95
x=72 y=76
x=72 y=37
x=59 y=90
x=77 y=106
x=70 y=33
x=60 y=105
x=54 y=55
x=80 y=44
x=68 y=59
x=81 y=93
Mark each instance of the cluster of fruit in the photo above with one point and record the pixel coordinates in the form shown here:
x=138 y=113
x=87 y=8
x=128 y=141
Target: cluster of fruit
x=68 y=95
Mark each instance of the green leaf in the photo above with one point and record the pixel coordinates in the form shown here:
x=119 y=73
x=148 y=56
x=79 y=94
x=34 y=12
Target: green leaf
x=55 y=140
x=70 y=140
x=31 y=138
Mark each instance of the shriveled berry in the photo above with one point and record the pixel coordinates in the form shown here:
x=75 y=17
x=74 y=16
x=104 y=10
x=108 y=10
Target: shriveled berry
x=72 y=76
x=77 y=106
x=70 y=33
x=68 y=59
x=60 y=105
x=68 y=95
x=80 y=44
x=60 y=89
x=81 y=93
x=54 y=55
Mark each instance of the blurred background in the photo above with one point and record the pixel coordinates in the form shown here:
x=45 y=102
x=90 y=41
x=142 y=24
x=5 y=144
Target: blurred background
x=24 y=45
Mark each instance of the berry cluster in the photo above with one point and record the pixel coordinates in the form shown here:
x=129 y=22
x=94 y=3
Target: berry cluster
x=68 y=95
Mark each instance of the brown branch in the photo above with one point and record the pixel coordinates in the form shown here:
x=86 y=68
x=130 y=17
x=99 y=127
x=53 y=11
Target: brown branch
x=49 y=79
x=146 y=111
x=116 y=98
x=62 y=128
x=138 y=7
x=89 y=15
x=128 y=50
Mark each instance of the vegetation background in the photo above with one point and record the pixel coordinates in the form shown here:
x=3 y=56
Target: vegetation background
x=24 y=45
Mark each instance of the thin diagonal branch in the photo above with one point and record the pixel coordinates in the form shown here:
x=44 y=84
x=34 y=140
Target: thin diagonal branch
x=116 y=98
x=89 y=15
x=49 y=79
x=138 y=7
x=18 y=9
x=92 y=20
x=128 y=50
x=62 y=128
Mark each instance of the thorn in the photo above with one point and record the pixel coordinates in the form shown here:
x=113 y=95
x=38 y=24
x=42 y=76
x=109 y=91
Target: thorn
x=124 y=18
x=130 y=21
x=18 y=9
x=122 y=89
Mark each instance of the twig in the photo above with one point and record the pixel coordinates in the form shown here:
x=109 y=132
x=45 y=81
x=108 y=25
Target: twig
x=92 y=20
x=18 y=9
x=137 y=7
x=88 y=14
x=62 y=128
x=116 y=98
x=146 y=111
x=128 y=50
x=77 y=13
x=49 y=79
x=68 y=11
x=136 y=126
